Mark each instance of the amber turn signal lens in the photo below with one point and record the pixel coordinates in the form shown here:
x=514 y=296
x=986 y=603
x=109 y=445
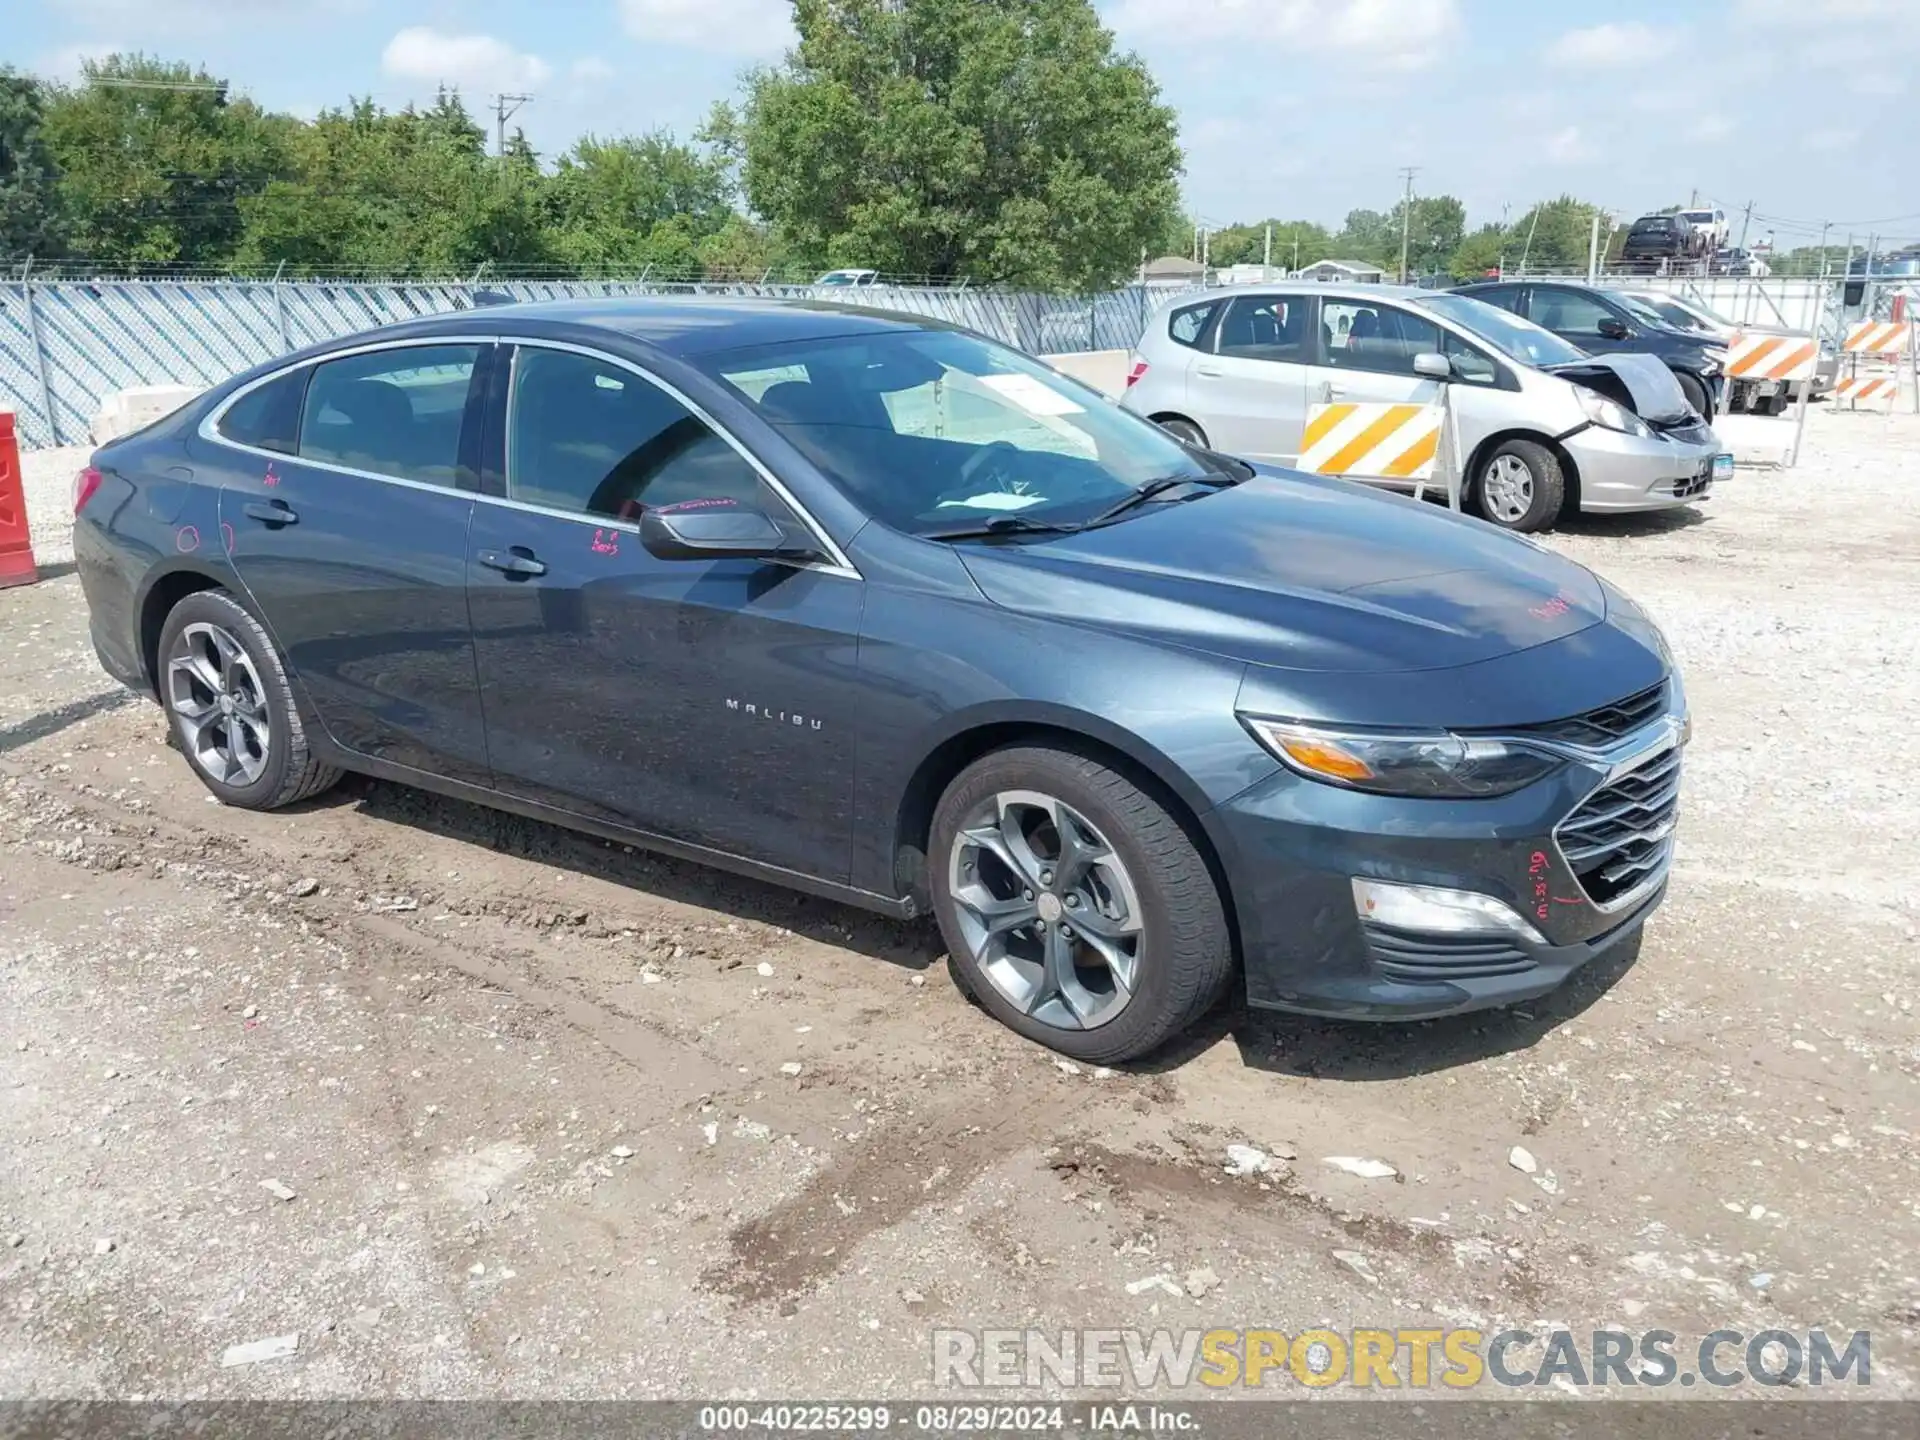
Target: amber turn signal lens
x=1323 y=757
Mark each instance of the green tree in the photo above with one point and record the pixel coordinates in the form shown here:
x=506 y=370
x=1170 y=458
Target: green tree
x=29 y=202
x=154 y=158
x=1553 y=235
x=1372 y=236
x=635 y=201
x=1435 y=226
x=999 y=139
x=1488 y=248
x=404 y=192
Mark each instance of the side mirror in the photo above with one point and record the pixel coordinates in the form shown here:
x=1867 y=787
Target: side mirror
x=1433 y=365
x=1614 y=329
x=718 y=530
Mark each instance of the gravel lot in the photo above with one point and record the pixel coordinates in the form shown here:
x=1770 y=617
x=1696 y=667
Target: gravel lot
x=558 y=1119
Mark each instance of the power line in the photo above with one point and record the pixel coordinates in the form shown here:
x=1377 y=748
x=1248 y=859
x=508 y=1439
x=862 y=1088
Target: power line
x=504 y=108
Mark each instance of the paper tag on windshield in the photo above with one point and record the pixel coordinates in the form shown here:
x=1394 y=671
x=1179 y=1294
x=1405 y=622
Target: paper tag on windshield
x=996 y=500
x=1030 y=395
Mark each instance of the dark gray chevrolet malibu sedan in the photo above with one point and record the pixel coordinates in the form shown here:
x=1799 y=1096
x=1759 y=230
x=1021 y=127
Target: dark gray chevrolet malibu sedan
x=879 y=609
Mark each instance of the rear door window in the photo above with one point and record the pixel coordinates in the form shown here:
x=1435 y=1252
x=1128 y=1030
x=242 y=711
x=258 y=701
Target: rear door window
x=267 y=417
x=1266 y=327
x=1507 y=297
x=391 y=412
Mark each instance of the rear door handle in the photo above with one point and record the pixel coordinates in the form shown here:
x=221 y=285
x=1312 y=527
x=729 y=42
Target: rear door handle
x=272 y=512
x=1206 y=369
x=511 y=562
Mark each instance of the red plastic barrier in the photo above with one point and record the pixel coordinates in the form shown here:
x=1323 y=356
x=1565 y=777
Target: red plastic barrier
x=1899 y=308
x=16 y=545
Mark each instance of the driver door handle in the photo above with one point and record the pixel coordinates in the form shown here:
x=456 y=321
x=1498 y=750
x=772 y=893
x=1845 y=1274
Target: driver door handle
x=1205 y=369
x=272 y=512
x=511 y=562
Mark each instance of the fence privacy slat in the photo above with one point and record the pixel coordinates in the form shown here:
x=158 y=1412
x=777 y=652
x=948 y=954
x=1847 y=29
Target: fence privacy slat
x=98 y=336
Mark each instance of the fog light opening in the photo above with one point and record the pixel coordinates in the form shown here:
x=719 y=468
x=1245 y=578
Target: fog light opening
x=1435 y=910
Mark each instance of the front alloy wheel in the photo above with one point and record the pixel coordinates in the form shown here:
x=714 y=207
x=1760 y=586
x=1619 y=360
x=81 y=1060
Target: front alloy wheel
x=1077 y=908
x=1048 y=911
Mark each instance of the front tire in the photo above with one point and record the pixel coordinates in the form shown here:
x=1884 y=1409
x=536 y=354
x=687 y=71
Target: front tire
x=229 y=707
x=1520 y=486
x=1075 y=908
x=1696 y=392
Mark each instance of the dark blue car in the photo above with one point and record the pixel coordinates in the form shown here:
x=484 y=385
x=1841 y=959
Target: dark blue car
x=876 y=608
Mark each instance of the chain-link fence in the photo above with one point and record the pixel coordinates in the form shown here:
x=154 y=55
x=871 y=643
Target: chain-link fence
x=67 y=344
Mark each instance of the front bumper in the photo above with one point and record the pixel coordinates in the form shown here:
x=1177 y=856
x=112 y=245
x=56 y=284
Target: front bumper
x=1621 y=472
x=1292 y=847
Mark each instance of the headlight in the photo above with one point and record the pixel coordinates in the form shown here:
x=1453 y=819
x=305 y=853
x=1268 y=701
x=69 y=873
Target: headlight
x=1435 y=765
x=1604 y=412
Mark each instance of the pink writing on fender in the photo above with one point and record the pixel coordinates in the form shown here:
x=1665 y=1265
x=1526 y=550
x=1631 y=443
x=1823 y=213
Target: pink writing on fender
x=1537 y=867
x=186 y=539
x=605 y=542
x=270 y=479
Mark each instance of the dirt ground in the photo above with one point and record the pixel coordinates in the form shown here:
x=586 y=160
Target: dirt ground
x=560 y=1119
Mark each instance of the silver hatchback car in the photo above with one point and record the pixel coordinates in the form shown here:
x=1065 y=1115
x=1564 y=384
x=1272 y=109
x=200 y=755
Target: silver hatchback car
x=1543 y=426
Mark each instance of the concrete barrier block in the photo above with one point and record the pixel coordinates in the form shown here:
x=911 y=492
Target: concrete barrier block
x=125 y=411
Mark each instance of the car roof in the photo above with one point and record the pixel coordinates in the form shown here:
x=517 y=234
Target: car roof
x=677 y=325
x=1331 y=288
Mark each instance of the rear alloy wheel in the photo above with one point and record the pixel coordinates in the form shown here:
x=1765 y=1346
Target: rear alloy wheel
x=230 y=707
x=1074 y=907
x=1185 y=431
x=1520 y=486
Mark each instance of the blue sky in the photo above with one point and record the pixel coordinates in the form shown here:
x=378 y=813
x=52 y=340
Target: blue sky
x=1287 y=107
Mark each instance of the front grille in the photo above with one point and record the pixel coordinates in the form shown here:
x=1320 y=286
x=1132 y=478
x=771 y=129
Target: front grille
x=1622 y=834
x=1400 y=955
x=1608 y=723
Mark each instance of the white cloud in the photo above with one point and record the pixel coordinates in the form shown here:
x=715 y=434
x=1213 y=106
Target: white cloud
x=591 y=71
x=731 y=27
x=64 y=64
x=1710 y=128
x=1835 y=137
x=1388 y=34
x=1604 y=46
x=1567 y=146
x=476 y=63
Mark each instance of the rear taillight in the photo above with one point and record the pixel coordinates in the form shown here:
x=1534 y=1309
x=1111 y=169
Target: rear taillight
x=1133 y=375
x=84 y=484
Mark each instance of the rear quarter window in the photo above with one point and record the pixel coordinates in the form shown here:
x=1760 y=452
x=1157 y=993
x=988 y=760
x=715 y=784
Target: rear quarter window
x=1186 y=325
x=267 y=417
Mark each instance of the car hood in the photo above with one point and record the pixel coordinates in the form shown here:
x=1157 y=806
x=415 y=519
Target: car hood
x=1298 y=573
x=1650 y=390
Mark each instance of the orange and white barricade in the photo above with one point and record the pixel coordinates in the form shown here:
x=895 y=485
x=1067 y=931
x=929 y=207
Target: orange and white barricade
x=1877 y=352
x=1374 y=440
x=1766 y=356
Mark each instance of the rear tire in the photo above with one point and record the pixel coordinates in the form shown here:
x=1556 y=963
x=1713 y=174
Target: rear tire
x=1519 y=486
x=1076 y=910
x=229 y=707
x=1696 y=392
x=1184 y=430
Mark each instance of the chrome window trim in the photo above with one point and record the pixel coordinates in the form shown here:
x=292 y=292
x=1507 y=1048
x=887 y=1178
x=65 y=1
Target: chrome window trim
x=209 y=430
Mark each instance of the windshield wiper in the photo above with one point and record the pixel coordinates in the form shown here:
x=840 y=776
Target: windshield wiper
x=1002 y=525
x=1151 y=490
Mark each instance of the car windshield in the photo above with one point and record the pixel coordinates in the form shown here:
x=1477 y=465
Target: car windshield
x=1513 y=337
x=937 y=430
x=1690 y=316
x=1697 y=217
x=1640 y=309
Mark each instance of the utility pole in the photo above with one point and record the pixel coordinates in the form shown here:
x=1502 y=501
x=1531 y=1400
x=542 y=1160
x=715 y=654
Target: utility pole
x=1693 y=199
x=1745 y=221
x=1266 y=255
x=504 y=107
x=1593 y=249
x=1407 y=172
x=1825 y=225
x=1206 y=251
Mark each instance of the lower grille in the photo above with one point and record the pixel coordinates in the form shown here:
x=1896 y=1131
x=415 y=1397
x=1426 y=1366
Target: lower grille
x=1400 y=955
x=1622 y=834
